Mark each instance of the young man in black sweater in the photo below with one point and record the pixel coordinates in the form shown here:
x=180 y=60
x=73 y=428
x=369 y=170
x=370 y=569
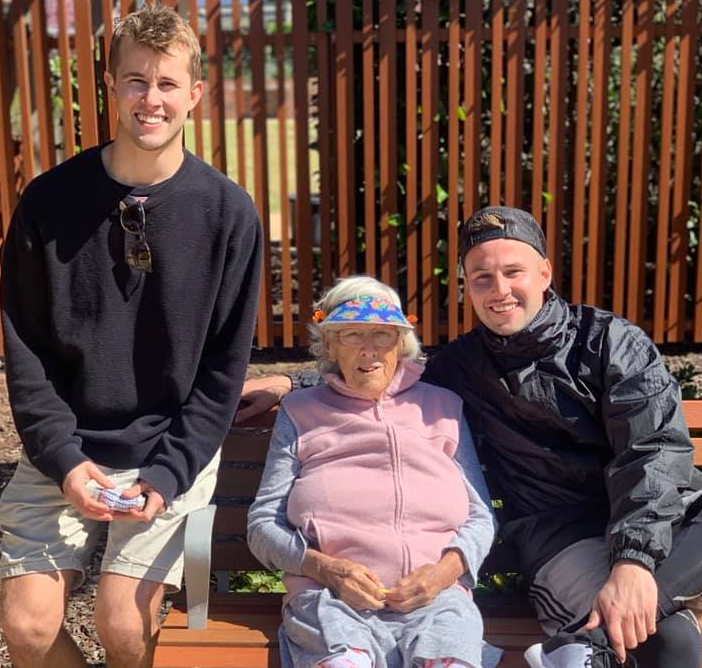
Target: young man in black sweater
x=129 y=291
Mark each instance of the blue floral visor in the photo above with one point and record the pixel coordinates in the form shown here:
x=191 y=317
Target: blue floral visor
x=368 y=310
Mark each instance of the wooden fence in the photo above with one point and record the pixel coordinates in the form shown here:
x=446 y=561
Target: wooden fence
x=407 y=117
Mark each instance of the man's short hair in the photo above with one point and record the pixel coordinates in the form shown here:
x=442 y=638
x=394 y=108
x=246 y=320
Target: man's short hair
x=160 y=28
x=501 y=222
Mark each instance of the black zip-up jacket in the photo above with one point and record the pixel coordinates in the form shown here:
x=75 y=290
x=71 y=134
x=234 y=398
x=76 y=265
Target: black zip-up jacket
x=581 y=428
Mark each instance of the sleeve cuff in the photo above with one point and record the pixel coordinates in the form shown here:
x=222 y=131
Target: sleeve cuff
x=163 y=480
x=57 y=464
x=634 y=555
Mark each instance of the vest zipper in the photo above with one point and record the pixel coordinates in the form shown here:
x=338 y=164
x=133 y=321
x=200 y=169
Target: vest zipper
x=397 y=481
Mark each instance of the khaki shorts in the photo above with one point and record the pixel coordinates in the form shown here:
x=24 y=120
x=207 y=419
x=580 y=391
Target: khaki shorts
x=42 y=532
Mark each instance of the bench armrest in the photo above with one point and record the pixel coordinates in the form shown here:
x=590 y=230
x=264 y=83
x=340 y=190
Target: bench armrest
x=197 y=558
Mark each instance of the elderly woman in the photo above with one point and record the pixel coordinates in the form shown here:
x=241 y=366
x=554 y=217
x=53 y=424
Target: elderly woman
x=372 y=500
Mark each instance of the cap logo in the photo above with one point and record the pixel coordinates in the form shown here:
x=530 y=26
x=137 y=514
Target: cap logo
x=489 y=221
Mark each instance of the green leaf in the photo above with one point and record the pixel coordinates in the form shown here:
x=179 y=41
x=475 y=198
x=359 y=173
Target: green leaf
x=462 y=114
x=548 y=197
x=394 y=219
x=404 y=168
x=441 y=194
x=441 y=245
x=438 y=271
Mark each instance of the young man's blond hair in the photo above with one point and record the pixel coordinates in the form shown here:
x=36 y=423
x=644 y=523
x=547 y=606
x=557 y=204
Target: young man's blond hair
x=160 y=28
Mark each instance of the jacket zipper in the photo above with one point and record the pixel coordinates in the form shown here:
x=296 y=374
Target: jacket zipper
x=397 y=481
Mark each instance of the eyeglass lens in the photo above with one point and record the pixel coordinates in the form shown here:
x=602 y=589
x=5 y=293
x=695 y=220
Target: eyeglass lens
x=381 y=337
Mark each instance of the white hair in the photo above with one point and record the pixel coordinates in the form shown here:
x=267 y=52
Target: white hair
x=354 y=287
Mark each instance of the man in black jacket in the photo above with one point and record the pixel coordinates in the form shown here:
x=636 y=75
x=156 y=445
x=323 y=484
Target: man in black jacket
x=580 y=426
x=129 y=292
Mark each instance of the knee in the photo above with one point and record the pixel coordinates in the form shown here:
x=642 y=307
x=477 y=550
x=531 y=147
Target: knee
x=677 y=643
x=127 y=634
x=120 y=631
x=29 y=634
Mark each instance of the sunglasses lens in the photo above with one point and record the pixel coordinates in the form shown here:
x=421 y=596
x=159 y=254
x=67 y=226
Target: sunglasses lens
x=132 y=218
x=139 y=256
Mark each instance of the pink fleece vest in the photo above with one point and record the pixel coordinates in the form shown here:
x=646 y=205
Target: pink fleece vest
x=377 y=483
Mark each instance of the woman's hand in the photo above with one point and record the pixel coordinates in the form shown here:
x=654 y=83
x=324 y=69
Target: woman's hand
x=425 y=583
x=353 y=583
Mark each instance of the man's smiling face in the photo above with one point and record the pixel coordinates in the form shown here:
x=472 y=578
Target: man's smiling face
x=153 y=93
x=506 y=282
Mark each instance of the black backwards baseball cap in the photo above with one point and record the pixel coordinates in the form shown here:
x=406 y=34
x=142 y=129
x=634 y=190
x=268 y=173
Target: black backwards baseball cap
x=501 y=222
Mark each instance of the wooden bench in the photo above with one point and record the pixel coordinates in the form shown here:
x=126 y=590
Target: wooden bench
x=240 y=630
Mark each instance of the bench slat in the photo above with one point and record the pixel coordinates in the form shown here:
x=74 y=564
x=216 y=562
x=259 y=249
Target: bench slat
x=216 y=657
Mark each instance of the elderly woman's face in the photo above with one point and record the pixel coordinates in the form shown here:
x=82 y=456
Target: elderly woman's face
x=367 y=356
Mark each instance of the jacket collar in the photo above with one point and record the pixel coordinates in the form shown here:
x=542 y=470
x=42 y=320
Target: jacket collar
x=407 y=374
x=542 y=337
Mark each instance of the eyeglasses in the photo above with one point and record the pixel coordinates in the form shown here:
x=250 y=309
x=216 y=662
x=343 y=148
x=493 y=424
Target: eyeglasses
x=382 y=338
x=132 y=218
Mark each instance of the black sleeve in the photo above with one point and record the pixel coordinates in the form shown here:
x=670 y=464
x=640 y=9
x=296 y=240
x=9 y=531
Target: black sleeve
x=642 y=414
x=198 y=430
x=45 y=422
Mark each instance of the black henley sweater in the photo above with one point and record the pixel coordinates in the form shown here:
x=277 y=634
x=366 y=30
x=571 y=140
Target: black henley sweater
x=107 y=363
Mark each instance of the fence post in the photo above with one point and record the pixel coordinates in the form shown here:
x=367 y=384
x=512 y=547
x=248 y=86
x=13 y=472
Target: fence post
x=8 y=192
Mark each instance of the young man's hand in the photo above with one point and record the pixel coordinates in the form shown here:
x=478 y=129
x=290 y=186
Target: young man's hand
x=76 y=492
x=155 y=505
x=626 y=606
x=262 y=394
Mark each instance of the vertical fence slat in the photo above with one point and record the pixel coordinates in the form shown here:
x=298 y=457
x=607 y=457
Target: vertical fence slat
x=430 y=145
x=302 y=169
x=126 y=7
x=412 y=176
x=24 y=95
x=537 y=144
x=264 y=327
x=85 y=63
x=660 y=317
x=496 y=102
x=515 y=104
x=196 y=113
x=42 y=85
x=239 y=103
x=368 y=59
x=580 y=150
x=596 y=194
x=8 y=192
x=682 y=171
x=286 y=275
x=344 y=137
x=215 y=80
x=454 y=69
x=472 y=95
x=623 y=151
x=67 y=118
x=638 y=229
x=324 y=140
x=107 y=14
x=557 y=135
x=388 y=141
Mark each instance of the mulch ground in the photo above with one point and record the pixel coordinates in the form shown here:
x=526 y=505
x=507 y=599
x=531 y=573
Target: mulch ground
x=79 y=616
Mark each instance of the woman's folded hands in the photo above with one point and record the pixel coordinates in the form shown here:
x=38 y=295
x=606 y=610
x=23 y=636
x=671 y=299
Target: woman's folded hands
x=361 y=589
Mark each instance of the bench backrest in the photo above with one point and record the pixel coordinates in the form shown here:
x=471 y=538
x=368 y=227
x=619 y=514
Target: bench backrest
x=243 y=458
